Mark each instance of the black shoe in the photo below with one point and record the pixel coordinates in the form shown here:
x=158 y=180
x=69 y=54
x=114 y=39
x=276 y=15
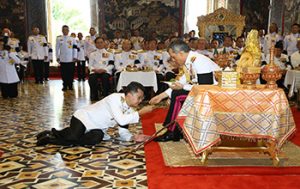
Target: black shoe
x=71 y=88
x=64 y=89
x=41 y=82
x=170 y=136
x=48 y=139
x=43 y=133
x=46 y=79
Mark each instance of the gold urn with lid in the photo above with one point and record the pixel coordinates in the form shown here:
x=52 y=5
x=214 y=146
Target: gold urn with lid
x=271 y=72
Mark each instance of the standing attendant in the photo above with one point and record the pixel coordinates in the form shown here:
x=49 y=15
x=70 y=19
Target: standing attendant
x=47 y=62
x=38 y=53
x=81 y=58
x=66 y=54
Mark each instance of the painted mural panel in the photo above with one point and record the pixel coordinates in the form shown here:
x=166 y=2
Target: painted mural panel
x=162 y=16
x=12 y=15
x=291 y=14
x=257 y=13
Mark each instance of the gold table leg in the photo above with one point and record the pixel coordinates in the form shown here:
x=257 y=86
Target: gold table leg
x=271 y=149
x=268 y=147
x=204 y=157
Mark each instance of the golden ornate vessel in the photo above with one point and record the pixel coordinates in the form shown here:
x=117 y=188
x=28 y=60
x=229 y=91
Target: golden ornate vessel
x=222 y=60
x=271 y=72
x=249 y=64
x=249 y=77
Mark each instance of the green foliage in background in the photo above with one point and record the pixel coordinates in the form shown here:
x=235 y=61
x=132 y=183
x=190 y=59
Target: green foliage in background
x=65 y=15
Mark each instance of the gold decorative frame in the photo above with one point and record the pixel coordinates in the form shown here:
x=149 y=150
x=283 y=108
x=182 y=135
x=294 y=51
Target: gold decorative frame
x=221 y=17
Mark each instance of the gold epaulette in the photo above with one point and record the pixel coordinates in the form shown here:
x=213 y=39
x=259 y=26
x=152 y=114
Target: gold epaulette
x=110 y=50
x=141 y=51
x=118 y=51
x=134 y=52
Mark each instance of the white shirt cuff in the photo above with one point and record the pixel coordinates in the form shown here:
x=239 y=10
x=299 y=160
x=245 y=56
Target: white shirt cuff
x=125 y=135
x=187 y=87
x=169 y=92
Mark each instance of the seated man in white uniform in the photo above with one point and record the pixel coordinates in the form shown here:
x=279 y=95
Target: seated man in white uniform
x=125 y=58
x=88 y=125
x=101 y=66
x=194 y=68
x=295 y=57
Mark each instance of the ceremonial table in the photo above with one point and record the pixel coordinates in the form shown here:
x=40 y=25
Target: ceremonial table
x=210 y=112
x=147 y=79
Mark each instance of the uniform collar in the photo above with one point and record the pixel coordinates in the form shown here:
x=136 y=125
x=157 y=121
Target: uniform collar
x=101 y=50
x=191 y=58
x=123 y=101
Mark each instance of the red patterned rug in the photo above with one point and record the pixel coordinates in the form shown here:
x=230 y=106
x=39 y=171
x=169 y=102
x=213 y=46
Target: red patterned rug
x=162 y=176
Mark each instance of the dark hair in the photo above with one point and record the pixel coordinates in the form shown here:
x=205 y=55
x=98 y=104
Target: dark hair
x=133 y=87
x=295 y=24
x=279 y=45
x=179 y=45
x=275 y=25
x=193 y=39
x=240 y=37
x=65 y=26
x=98 y=38
x=33 y=27
x=152 y=39
x=228 y=36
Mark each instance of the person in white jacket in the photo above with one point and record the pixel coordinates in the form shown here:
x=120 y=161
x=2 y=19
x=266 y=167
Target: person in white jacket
x=101 y=64
x=8 y=75
x=194 y=68
x=38 y=53
x=88 y=125
x=66 y=55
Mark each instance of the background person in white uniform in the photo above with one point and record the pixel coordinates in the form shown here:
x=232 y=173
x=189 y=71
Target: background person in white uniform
x=8 y=75
x=88 y=125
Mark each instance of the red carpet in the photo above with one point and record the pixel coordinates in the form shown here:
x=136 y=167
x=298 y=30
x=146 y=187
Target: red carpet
x=161 y=176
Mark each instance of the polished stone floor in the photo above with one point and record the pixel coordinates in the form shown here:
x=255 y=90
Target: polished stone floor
x=24 y=165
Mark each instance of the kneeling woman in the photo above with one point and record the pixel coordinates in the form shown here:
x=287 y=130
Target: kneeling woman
x=8 y=75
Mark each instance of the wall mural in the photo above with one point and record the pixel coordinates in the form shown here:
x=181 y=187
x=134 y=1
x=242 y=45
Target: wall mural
x=291 y=14
x=257 y=14
x=12 y=15
x=162 y=16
